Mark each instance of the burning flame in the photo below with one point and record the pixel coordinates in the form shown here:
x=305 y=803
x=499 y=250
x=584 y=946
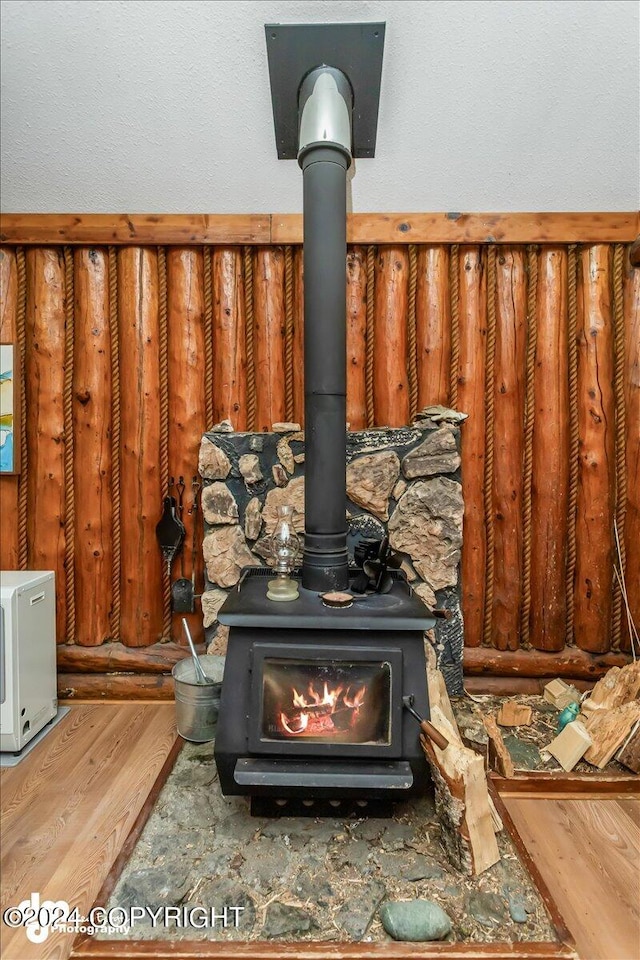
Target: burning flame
x=316 y=708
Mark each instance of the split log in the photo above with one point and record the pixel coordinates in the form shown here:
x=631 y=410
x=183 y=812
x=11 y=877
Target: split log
x=617 y=687
x=560 y=694
x=268 y=309
x=570 y=663
x=356 y=337
x=471 y=398
x=462 y=800
x=92 y=446
x=629 y=753
x=570 y=745
x=390 y=383
x=185 y=291
x=550 y=455
x=514 y=714
x=9 y=485
x=114 y=657
x=511 y=334
x=115 y=686
x=499 y=757
x=608 y=730
x=298 y=336
x=141 y=484
x=594 y=516
x=229 y=338
x=632 y=403
x=433 y=325
x=44 y=385
x=462 y=797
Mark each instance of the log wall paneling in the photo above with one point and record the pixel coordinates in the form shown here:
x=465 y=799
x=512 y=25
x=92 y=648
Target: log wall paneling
x=631 y=533
x=550 y=455
x=356 y=337
x=471 y=399
x=214 y=350
x=594 y=517
x=8 y=485
x=92 y=446
x=229 y=337
x=268 y=306
x=390 y=382
x=433 y=325
x=298 y=336
x=141 y=504
x=511 y=331
x=185 y=289
x=44 y=383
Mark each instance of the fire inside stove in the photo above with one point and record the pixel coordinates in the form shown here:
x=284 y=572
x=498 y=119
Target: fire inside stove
x=320 y=701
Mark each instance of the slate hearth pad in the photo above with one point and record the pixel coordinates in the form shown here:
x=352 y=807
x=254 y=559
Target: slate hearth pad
x=307 y=879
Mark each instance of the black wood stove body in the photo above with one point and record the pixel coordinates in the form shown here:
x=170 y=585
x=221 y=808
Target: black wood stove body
x=311 y=703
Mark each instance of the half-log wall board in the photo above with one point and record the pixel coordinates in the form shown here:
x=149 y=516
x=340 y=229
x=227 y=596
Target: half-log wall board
x=137 y=333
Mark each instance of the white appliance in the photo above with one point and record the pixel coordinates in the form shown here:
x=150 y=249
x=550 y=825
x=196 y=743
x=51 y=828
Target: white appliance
x=28 y=690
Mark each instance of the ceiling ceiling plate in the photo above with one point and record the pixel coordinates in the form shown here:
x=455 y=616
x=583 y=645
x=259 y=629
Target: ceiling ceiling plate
x=293 y=50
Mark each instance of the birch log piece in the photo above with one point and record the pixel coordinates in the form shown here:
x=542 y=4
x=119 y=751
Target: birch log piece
x=229 y=338
x=356 y=337
x=268 y=306
x=9 y=485
x=433 y=325
x=462 y=800
x=92 y=446
x=631 y=533
x=185 y=291
x=471 y=376
x=511 y=333
x=550 y=455
x=44 y=384
x=390 y=383
x=594 y=519
x=467 y=817
x=141 y=582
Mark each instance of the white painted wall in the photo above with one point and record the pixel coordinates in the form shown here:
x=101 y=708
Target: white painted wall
x=146 y=106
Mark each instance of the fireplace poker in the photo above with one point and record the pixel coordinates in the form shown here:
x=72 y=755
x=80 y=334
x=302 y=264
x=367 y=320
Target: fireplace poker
x=427 y=728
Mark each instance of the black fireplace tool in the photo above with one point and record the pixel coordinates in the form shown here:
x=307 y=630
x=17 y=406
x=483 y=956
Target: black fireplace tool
x=170 y=531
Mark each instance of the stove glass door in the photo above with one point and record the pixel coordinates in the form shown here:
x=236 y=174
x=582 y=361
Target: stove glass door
x=326 y=700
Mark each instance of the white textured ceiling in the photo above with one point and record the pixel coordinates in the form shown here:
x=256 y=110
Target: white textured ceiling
x=145 y=106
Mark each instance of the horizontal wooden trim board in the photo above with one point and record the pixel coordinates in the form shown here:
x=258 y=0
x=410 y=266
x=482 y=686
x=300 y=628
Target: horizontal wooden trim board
x=47 y=229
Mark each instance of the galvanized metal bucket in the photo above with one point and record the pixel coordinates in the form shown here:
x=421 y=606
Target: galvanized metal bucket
x=197 y=704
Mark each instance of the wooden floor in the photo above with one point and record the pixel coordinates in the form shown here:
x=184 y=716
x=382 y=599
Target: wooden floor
x=67 y=808
x=588 y=852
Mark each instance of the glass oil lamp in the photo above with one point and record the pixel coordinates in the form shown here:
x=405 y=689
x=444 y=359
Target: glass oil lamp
x=285 y=545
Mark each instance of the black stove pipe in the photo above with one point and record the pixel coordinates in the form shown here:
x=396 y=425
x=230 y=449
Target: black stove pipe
x=325 y=156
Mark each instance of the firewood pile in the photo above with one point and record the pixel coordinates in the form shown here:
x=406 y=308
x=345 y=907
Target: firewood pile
x=608 y=724
x=597 y=727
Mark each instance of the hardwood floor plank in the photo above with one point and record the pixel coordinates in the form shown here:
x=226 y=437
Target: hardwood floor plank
x=588 y=853
x=68 y=807
x=631 y=807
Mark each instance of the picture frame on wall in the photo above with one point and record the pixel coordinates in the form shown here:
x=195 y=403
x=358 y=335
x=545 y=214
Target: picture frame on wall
x=9 y=410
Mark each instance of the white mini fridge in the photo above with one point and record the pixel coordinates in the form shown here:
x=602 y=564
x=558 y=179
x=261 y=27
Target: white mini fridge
x=28 y=688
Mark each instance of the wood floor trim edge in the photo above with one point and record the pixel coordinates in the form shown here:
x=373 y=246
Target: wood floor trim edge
x=88 y=948
x=547 y=784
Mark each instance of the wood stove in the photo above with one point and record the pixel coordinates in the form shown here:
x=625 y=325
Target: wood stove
x=312 y=696
x=312 y=700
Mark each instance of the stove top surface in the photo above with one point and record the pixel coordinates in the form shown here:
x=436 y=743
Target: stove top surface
x=247 y=605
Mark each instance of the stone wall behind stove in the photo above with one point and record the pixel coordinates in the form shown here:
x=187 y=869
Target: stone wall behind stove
x=404 y=480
